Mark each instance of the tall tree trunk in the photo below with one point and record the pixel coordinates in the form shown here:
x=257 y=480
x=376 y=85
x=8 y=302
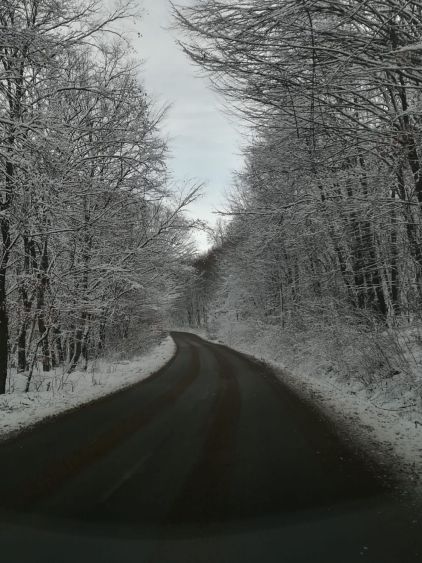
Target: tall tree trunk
x=58 y=345
x=4 y=319
x=42 y=326
x=21 y=342
x=4 y=331
x=80 y=339
x=77 y=349
x=101 y=335
x=82 y=331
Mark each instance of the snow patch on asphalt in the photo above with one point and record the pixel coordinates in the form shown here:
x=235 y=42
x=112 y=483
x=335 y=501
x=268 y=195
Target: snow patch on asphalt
x=56 y=392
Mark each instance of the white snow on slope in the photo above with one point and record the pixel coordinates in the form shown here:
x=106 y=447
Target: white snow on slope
x=59 y=392
x=388 y=433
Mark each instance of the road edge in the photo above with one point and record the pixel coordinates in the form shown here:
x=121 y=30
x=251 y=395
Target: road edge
x=15 y=433
x=350 y=425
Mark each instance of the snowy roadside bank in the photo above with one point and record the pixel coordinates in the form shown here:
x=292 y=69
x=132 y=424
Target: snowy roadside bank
x=58 y=393
x=374 y=417
x=388 y=433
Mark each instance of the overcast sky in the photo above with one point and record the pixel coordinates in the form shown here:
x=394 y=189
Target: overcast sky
x=204 y=141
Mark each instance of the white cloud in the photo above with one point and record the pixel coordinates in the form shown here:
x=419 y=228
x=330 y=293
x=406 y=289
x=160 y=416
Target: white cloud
x=203 y=141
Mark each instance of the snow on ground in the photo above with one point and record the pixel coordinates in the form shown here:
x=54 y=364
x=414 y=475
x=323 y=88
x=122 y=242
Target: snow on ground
x=56 y=392
x=384 y=430
x=385 y=417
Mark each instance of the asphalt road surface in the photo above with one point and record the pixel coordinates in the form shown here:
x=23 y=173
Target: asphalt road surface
x=211 y=460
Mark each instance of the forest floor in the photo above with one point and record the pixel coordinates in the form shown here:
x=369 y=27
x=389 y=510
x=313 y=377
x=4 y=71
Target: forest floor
x=385 y=417
x=54 y=392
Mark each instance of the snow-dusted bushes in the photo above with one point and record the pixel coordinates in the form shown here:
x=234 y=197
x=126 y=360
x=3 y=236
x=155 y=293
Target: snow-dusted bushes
x=351 y=351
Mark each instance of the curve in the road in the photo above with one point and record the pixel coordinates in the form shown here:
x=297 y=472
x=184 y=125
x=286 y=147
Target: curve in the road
x=212 y=446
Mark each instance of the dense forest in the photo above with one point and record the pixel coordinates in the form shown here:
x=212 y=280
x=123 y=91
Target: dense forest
x=92 y=236
x=321 y=241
